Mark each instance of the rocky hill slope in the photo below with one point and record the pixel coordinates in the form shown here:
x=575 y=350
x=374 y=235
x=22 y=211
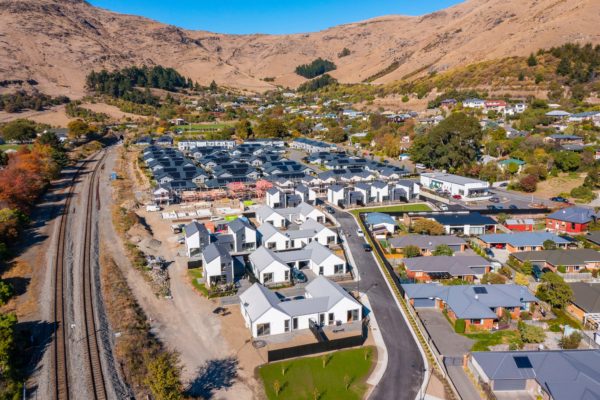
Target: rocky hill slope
x=57 y=42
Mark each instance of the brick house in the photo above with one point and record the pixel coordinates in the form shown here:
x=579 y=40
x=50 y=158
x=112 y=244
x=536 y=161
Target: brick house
x=571 y=219
x=480 y=306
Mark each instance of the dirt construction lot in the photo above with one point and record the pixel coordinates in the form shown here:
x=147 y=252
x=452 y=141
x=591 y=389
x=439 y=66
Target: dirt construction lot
x=217 y=357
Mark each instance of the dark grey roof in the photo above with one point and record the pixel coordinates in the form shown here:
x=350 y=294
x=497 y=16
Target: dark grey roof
x=213 y=251
x=586 y=296
x=425 y=241
x=564 y=374
x=560 y=256
x=453 y=265
x=195 y=227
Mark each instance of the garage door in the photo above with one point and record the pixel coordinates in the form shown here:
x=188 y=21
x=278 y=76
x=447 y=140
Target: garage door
x=422 y=303
x=509 y=384
x=455 y=247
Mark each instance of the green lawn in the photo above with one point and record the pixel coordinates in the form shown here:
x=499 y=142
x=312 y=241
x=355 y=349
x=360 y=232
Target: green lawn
x=398 y=208
x=484 y=340
x=5 y=147
x=305 y=378
x=194 y=274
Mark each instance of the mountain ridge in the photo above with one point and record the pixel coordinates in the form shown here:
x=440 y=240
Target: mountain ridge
x=58 y=42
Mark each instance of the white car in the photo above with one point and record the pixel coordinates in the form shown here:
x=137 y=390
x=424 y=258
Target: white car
x=360 y=233
x=443 y=207
x=152 y=208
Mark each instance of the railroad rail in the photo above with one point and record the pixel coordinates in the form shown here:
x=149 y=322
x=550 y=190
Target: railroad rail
x=60 y=345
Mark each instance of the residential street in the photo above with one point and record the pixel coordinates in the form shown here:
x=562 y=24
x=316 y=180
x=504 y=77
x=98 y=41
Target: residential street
x=405 y=369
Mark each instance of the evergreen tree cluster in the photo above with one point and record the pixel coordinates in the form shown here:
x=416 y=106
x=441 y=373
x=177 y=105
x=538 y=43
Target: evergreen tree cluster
x=122 y=83
x=317 y=83
x=579 y=63
x=315 y=68
x=22 y=100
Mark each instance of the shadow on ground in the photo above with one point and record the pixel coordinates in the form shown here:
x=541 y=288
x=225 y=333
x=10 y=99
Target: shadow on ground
x=213 y=376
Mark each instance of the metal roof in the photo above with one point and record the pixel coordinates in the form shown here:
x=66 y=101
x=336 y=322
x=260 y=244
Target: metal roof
x=586 y=296
x=560 y=256
x=520 y=239
x=578 y=215
x=425 y=241
x=564 y=374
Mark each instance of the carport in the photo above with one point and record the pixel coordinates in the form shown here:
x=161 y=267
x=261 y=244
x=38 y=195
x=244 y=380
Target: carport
x=428 y=302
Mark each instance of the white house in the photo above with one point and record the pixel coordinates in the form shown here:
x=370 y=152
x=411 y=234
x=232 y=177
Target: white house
x=268 y=268
x=324 y=303
x=217 y=264
x=467 y=188
x=275 y=198
x=265 y=214
x=282 y=217
x=309 y=231
x=197 y=238
x=474 y=103
x=336 y=194
x=307 y=194
x=271 y=268
x=193 y=144
x=244 y=235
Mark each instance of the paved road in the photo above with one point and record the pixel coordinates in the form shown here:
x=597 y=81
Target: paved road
x=404 y=373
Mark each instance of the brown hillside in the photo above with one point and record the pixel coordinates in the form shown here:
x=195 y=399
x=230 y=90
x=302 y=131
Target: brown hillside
x=56 y=42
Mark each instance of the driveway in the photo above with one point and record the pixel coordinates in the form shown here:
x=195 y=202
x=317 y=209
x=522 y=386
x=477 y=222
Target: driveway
x=404 y=373
x=448 y=343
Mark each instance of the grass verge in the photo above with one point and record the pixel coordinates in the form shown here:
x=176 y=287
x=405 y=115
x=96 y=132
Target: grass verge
x=338 y=375
x=397 y=208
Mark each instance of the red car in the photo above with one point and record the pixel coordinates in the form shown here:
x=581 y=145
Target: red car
x=457 y=197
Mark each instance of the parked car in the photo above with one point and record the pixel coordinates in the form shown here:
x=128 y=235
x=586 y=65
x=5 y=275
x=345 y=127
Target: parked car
x=457 y=197
x=443 y=207
x=330 y=210
x=513 y=207
x=495 y=199
x=152 y=208
x=559 y=199
x=492 y=207
x=499 y=207
x=298 y=275
x=489 y=252
x=367 y=247
x=360 y=233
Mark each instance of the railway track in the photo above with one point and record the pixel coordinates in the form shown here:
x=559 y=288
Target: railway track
x=92 y=347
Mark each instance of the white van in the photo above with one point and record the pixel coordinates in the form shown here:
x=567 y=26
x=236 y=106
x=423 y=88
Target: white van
x=153 y=208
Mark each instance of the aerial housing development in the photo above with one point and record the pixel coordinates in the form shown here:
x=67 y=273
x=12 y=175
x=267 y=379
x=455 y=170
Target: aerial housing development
x=404 y=207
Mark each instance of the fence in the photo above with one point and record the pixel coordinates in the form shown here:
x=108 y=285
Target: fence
x=315 y=348
x=578 y=277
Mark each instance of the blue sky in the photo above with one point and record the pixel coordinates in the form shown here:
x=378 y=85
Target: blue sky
x=268 y=16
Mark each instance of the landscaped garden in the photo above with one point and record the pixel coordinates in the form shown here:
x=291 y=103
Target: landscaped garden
x=338 y=375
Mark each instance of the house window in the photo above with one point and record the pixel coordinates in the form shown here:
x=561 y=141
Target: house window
x=286 y=325
x=267 y=277
x=287 y=275
x=352 y=315
x=271 y=245
x=321 y=270
x=263 y=329
x=321 y=319
x=330 y=239
x=331 y=318
x=476 y=322
x=295 y=323
x=338 y=269
x=572 y=226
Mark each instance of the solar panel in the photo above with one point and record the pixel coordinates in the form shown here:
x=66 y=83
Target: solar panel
x=522 y=362
x=480 y=290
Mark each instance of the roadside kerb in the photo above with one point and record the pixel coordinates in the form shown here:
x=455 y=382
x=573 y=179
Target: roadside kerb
x=382 y=355
x=424 y=348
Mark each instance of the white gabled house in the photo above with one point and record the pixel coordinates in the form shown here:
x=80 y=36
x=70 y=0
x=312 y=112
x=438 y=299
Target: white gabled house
x=309 y=231
x=217 y=264
x=275 y=198
x=282 y=217
x=268 y=268
x=244 y=235
x=324 y=303
x=197 y=238
x=271 y=268
x=307 y=194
